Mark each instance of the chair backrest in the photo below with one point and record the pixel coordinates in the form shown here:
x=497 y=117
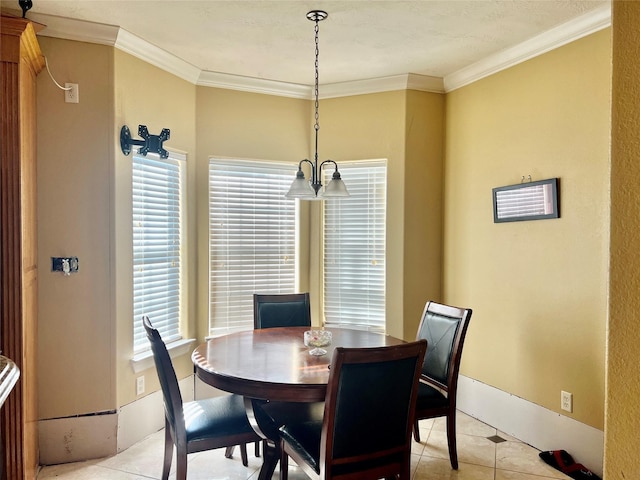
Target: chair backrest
x=444 y=328
x=168 y=380
x=370 y=409
x=284 y=310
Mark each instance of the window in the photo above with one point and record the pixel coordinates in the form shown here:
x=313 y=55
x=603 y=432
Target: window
x=354 y=249
x=252 y=238
x=158 y=202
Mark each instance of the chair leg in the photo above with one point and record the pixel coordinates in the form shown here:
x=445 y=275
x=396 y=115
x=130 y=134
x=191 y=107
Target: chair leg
x=228 y=453
x=284 y=465
x=257 y=444
x=243 y=454
x=451 y=437
x=168 y=452
x=416 y=432
x=181 y=464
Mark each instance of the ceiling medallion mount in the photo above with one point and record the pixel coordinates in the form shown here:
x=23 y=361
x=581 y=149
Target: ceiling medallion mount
x=317 y=15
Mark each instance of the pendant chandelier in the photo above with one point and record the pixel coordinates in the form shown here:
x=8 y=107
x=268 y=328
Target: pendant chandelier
x=312 y=189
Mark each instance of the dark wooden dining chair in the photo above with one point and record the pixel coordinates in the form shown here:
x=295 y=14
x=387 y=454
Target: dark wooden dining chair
x=368 y=417
x=444 y=328
x=281 y=310
x=199 y=425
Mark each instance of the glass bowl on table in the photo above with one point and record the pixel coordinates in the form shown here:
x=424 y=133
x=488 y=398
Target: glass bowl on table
x=317 y=339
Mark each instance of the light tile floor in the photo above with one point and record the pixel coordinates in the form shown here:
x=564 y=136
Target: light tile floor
x=479 y=459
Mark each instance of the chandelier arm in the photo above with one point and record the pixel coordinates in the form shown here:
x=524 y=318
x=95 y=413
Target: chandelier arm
x=303 y=161
x=327 y=161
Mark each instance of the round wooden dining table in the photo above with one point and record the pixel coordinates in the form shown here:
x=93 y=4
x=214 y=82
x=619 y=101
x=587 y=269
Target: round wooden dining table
x=274 y=364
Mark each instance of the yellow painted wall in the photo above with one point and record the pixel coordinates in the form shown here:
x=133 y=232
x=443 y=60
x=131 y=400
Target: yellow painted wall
x=622 y=442
x=386 y=125
x=366 y=127
x=237 y=124
x=423 y=197
x=538 y=288
x=84 y=196
x=147 y=95
x=76 y=334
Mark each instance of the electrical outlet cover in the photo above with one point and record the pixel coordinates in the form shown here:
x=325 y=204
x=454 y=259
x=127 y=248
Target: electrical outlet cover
x=140 y=385
x=72 y=95
x=566 y=401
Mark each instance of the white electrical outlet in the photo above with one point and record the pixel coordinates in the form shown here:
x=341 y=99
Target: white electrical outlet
x=73 y=94
x=140 y=385
x=566 y=401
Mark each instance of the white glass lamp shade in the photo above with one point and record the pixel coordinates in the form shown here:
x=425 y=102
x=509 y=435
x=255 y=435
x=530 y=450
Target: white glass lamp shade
x=335 y=188
x=300 y=188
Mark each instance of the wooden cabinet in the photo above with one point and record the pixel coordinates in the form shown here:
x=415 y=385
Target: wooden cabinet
x=22 y=60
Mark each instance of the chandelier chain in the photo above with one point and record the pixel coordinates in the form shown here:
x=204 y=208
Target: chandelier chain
x=317 y=125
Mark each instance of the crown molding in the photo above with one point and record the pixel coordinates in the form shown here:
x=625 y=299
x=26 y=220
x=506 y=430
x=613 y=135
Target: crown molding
x=568 y=32
x=90 y=32
x=254 y=85
x=130 y=43
x=79 y=30
x=425 y=83
x=409 y=81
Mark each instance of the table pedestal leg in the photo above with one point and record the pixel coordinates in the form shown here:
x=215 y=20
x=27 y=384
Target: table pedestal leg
x=270 y=444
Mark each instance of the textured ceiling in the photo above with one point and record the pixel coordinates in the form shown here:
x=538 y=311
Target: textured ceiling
x=361 y=39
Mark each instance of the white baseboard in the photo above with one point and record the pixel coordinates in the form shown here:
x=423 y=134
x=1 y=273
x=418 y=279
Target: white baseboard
x=73 y=439
x=145 y=416
x=537 y=426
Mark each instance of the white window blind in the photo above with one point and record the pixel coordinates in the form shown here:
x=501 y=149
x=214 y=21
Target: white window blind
x=252 y=238
x=158 y=193
x=354 y=248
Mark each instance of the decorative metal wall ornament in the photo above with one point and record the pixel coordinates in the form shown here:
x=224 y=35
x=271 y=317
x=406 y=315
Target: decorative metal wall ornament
x=310 y=190
x=151 y=143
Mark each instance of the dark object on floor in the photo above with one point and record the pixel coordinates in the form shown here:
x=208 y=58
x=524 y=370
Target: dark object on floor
x=561 y=460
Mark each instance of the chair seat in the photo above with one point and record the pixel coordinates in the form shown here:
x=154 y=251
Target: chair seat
x=215 y=417
x=429 y=398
